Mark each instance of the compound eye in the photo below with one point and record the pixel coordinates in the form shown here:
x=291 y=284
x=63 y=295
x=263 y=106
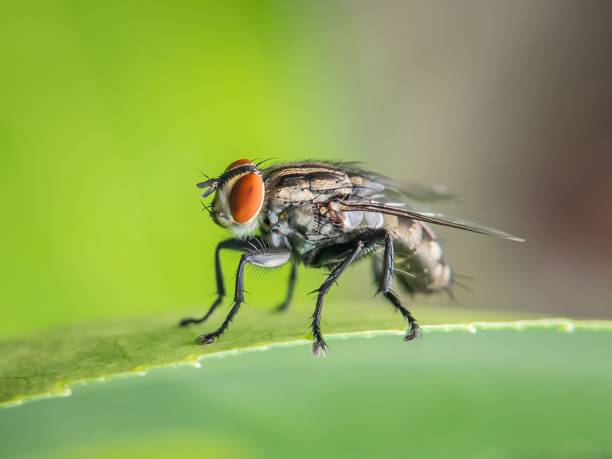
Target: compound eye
x=246 y=198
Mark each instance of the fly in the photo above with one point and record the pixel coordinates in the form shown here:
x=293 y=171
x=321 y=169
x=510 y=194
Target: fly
x=328 y=215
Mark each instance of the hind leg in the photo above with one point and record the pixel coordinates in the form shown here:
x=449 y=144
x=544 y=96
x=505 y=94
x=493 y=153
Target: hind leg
x=386 y=281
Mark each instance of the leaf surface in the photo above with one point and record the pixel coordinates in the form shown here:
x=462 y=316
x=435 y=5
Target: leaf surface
x=49 y=363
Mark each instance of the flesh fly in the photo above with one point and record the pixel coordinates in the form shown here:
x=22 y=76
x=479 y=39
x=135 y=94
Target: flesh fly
x=328 y=215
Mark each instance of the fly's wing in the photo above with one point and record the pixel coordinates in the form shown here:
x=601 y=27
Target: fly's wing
x=413 y=191
x=428 y=217
x=374 y=193
x=396 y=190
x=423 y=193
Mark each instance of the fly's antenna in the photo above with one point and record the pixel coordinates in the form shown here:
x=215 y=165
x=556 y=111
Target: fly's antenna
x=209 y=186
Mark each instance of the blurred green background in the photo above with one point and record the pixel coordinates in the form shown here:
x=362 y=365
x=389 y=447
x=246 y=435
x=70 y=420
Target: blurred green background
x=108 y=113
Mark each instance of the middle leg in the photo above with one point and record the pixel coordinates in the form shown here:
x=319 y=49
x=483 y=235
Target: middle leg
x=319 y=346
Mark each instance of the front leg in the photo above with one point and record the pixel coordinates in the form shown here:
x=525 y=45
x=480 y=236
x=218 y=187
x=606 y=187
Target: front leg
x=230 y=244
x=267 y=258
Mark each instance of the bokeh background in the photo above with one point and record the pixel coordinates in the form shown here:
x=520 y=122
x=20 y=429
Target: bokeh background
x=111 y=111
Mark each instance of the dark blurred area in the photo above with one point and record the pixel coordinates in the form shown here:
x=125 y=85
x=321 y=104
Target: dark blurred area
x=510 y=104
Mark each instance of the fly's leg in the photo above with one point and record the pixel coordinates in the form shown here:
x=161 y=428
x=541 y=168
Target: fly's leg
x=231 y=244
x=290 y=289
x=385 y=289
x=268 y=258
x=319 y=346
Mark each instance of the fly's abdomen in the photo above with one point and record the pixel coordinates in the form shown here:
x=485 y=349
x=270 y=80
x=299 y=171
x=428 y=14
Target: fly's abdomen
x=419 y=262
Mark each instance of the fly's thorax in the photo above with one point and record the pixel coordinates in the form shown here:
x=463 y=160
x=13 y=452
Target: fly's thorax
x=290 y=226
x=306 y=183
x=307 y=198
x=239 y=198
x=278 y=226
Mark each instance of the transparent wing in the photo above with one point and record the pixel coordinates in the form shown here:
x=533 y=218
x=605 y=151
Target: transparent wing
x=379 y=194
x=424 y=193
x=429 y=217
x=393 y=189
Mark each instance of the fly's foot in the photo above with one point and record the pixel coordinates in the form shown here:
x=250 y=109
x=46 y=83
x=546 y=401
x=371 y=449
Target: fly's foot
x=413 y=333
x=319 y=348
x=208 y=338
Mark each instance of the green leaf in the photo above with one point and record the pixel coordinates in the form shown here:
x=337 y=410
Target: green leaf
x=49 y=363
x=496 y=394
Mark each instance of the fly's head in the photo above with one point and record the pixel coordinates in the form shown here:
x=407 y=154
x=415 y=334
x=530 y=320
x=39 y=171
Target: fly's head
x=239 y=197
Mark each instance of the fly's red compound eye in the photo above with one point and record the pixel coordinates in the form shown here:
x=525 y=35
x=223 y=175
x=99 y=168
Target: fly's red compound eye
x=246 y=198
